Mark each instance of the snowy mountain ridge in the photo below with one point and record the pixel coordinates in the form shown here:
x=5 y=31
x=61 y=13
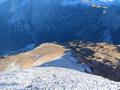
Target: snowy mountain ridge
x=55 y=78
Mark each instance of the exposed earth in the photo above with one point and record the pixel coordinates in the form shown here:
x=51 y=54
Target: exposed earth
x=103 y=58
x=63 y=66
x=40 y=55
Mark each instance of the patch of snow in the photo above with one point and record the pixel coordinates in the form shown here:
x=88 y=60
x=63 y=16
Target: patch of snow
x=88 y=2
x=70 y=2
x=68 y=61
x=44 y=78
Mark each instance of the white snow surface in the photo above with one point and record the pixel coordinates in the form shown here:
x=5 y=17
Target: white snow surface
x=44 y=78
x=62 y=74
x=68 y=61
x=89 y=2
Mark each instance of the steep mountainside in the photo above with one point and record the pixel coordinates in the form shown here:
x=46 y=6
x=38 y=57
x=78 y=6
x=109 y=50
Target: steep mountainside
x=24 y=22
x=103 y=58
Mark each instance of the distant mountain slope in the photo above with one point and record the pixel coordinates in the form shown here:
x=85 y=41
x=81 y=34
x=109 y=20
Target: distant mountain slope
x=24 y=22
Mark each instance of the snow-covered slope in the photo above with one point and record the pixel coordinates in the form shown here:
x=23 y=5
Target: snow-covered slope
x=24 y=22
x=54 y=79
x=61 y=74
x=68 y=61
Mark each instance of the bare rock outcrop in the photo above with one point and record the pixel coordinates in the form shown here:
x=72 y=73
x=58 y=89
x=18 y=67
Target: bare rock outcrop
x=103 y=58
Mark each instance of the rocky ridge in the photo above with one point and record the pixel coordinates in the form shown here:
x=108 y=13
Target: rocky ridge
x=44 y=53
x=103 y=58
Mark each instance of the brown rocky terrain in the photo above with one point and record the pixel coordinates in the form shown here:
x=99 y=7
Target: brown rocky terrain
x=103 y=58
x=42 y=54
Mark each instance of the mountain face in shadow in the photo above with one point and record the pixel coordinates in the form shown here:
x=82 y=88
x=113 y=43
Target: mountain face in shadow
x=33 y=22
